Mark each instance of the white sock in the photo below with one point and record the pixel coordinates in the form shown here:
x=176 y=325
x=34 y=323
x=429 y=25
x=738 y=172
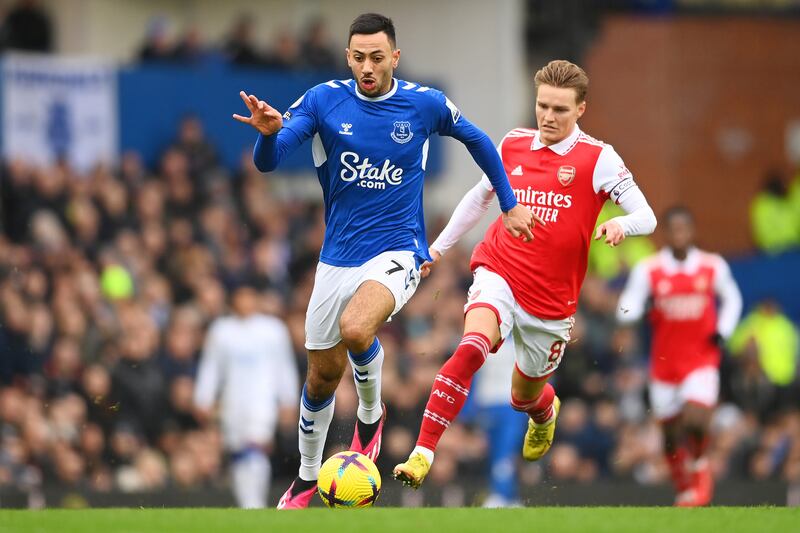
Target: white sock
x=426 y=453
x=367 y=377
x=251 y=475
x=315 y=418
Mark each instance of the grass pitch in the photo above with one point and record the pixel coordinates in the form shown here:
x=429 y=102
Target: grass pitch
x=385 y=520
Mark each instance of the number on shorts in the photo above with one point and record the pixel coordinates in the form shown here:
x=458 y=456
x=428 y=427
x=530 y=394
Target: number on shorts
x=556 y=351
x=398 y=268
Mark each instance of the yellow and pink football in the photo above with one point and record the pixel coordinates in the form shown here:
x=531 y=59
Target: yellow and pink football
x=349 y=480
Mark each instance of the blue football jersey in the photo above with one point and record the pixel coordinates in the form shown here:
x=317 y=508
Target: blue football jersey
x=370 y=155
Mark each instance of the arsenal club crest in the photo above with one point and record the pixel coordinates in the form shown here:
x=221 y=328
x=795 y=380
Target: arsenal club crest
x=566 y=174
x=402 y=132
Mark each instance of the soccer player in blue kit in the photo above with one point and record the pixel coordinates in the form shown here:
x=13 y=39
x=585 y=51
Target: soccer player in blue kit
x=370 y=146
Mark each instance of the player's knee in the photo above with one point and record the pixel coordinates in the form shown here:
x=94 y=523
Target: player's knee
x=354 y=334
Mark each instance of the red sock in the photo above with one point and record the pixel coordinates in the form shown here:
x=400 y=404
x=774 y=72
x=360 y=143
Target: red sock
x=540 y=409
x=451 y=387
x=677 y=468
x=697 y=444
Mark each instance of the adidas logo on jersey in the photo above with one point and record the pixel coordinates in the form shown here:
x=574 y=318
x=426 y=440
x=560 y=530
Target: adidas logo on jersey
x=369 y=175
x=517 y=171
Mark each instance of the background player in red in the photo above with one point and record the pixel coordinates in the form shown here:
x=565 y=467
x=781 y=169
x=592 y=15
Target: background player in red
x=682 y=283
x=529 y=290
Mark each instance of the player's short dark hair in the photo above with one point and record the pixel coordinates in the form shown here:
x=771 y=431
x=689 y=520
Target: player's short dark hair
x=370 y=23
x=677 y=211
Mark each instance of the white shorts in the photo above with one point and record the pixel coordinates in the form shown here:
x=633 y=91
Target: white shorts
x=539 y=343
x=334 y=286
x=700 y=386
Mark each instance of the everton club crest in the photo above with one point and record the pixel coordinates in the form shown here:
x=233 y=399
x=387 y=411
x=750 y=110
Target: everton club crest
x=402 y=132
x=566 y=174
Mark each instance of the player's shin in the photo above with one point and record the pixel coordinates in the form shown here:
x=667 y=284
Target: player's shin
x=315 y=418
x=539 y=409
x=367 y=377
x=450 y=389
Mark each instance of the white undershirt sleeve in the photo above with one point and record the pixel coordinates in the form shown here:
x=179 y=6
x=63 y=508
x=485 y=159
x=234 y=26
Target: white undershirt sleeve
x=730 y=300
x=466 y=215
x=640 y=219
x=633 y=300
x=613 y=177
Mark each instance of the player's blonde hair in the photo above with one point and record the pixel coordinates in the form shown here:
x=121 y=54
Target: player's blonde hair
x=564 y=75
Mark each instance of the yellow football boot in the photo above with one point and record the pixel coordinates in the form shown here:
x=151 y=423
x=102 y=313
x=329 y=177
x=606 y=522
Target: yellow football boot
x=539 y=438
x=413 y=471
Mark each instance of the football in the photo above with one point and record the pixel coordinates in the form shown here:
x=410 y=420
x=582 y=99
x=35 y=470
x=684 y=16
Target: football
x=349 y=479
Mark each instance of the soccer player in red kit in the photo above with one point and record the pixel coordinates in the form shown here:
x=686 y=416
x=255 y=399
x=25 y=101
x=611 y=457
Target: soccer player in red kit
x=682 y=284
x=529 y=290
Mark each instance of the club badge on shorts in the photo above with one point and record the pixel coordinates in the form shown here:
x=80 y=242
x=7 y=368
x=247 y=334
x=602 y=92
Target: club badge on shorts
x=566 y=174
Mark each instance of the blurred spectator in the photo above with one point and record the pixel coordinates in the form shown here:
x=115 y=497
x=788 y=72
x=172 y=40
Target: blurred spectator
x=157 y=44
x=190 y=48
x=248 y=361
x=769 y=335
x=138 y=387
x=200 y=153
x=775 y=220
x=316 y=51
x=27 y=27
x=285 y=52
x=239 y=47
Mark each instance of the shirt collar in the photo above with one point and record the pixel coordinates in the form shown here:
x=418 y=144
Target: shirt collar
x=688 y=265
x=562 y=147
x=380 y=98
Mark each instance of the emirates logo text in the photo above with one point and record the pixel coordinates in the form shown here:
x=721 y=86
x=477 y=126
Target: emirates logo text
x=544 y=204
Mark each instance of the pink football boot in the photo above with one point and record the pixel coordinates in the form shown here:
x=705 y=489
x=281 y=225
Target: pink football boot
x=373 y=447
x=296 y=501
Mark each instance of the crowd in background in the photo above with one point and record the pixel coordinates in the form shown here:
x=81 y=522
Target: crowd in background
x=311 y=49
x=108 y=282
x=26 y=26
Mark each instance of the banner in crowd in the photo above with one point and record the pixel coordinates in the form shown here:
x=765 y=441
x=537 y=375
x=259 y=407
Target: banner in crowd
x=59 y=108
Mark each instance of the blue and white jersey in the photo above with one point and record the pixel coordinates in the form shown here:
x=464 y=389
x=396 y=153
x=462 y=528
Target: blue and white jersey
x=370 y=155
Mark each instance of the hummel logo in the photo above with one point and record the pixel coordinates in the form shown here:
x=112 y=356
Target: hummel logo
x=346 y=129
x=305 y=425
x=517 y=171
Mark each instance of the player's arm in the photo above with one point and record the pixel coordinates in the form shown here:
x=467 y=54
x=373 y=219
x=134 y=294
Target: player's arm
x=633 y=300
x=730 y=301
x=612 y=177
x=277 y=138
x=517 y=219
x=209 y=376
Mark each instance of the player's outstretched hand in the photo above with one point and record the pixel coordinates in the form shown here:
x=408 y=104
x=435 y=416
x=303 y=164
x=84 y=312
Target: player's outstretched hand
x=613 y=232
x=519 y=222
x=262 y=117
x=425 y=269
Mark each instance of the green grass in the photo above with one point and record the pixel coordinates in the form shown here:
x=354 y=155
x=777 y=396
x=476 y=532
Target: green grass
x=380 y=520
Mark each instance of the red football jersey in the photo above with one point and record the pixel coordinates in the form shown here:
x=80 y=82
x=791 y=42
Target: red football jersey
x=565 y=184
x=683 y=314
